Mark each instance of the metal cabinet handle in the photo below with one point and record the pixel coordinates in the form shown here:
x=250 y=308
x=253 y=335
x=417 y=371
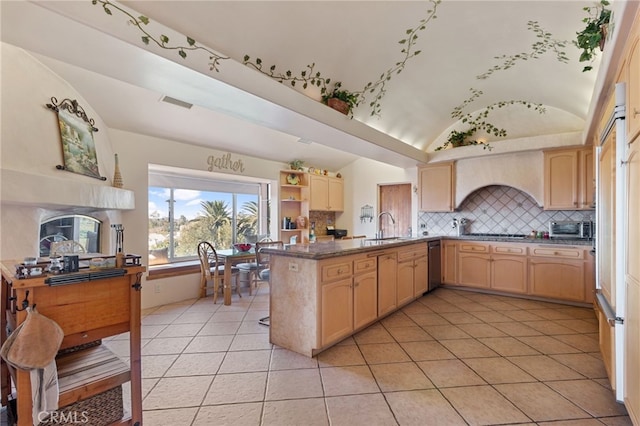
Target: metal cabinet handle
x=635 y=112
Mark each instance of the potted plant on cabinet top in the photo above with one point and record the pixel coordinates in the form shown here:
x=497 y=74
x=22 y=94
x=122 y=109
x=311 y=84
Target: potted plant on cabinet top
x=457 y=138
x=296 y=164
x=595 y=33
x=340 y=100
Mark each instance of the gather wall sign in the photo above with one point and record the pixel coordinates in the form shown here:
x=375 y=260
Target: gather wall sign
x=224 y=162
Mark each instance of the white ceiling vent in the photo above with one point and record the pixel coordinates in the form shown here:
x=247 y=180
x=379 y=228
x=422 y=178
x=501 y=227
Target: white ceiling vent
x=178 y=102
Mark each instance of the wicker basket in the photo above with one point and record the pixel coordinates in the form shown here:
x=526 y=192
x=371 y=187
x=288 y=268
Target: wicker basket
x=99 y=410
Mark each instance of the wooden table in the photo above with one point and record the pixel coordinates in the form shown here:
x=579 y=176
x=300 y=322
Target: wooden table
x=232 y=257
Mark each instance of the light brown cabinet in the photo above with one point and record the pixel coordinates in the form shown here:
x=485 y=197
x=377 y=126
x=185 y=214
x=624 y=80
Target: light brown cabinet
x=449 y=262
x=436 y=187
x=541 y=270
x=348 y=297
x=326 y=193
x=557 y=278
x=387 y=282
x=412 y=273
x=474 y=265
x=560 y=273
x=568 y=179
x=509 y=268
x=365 y=292
x=337 y=310
x=420 y=275
x=294 y=202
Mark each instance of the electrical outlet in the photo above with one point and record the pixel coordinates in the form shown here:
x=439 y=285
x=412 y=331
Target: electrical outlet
x=157 y=288
x=293 y=267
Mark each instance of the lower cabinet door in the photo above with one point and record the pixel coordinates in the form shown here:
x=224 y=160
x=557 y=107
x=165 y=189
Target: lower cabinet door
x=509 y=273
x=449 y=262
x=337 y=311
x=474 y=270
x=558 y=279
x=387 y=283
x=405 y=282
x=365 y=299
x=420 y=276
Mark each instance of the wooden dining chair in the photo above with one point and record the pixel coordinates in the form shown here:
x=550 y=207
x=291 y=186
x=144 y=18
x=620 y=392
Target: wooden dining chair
x=359 y=236
x=325 y=238
x=212 y=271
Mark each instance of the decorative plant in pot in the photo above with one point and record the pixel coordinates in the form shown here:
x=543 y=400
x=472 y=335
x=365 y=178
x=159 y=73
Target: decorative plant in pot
x=341 y=100
x=594 y=34
x=457 y=138
x=296 y=164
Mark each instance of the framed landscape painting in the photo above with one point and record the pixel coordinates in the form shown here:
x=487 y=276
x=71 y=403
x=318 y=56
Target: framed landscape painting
x=78 y=147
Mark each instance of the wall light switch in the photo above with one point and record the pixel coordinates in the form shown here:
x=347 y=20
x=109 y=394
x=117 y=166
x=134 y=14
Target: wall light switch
x=293 y=267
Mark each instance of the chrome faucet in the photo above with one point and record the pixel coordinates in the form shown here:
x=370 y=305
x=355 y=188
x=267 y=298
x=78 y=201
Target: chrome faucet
x=380 y=233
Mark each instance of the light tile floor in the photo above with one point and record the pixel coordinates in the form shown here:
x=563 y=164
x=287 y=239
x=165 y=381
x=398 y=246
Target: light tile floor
x=449 y=358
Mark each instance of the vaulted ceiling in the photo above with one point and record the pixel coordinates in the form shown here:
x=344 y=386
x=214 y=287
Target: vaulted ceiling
x=355 y=42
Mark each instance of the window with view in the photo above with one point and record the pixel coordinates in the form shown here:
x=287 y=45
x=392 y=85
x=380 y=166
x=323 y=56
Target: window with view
x=180 y=217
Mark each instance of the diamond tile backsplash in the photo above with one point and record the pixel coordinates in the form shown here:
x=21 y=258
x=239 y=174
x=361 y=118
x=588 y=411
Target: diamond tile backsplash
x=498 y=209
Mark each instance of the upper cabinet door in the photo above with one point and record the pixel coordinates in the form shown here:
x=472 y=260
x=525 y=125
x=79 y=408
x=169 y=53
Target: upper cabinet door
x=326 y=193
x=569 y=179
x=561 y=180
x=436 y=187
x=319 y=193
x=336 y=194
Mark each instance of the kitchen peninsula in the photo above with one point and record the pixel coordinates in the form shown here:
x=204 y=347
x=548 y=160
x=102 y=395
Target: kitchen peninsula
x=322 y=293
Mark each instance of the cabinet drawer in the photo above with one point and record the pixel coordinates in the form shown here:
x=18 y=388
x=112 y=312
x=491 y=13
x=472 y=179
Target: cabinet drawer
x=336 y=270
x=411 y=253
x=511 y=250
x=364 y=265
x=562 y=252
x=473 y=248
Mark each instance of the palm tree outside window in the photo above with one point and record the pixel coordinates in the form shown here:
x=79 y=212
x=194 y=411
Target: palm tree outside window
x=180 y=218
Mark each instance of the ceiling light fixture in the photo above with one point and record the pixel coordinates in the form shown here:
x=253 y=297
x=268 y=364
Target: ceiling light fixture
x=174 y=101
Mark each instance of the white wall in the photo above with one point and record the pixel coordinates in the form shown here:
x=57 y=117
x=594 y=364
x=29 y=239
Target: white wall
x=32 y=189
x=361 y=179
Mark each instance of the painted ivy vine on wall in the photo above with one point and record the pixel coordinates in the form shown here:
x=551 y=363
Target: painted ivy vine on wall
x=307 y=76
x=163 y=40
x=545 y=43
x=478 y=121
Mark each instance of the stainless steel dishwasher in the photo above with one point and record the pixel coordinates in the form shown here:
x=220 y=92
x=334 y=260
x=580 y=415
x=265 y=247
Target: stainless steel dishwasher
x=434 y=264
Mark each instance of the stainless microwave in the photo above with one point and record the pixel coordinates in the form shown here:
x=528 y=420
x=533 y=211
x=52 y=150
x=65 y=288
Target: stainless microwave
x=572 y=229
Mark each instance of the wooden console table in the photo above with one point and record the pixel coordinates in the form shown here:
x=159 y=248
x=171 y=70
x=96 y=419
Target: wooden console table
x=89 y=305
